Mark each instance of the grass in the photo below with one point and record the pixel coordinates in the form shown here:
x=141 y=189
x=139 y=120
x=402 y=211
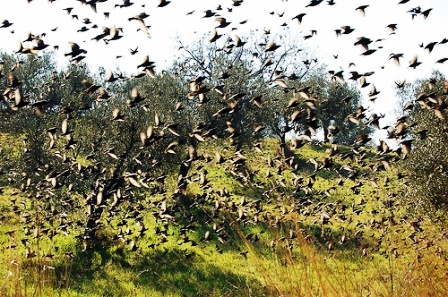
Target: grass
x=356 y=239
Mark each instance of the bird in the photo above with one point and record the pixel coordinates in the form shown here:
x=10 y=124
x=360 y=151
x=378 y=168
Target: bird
x=414 y=62
x=406 y=146
x=430 y=46
x=270 y=47
x=426 y=13
x=392 y=27
x=135 y=98
x=110 y=76
x=163 y=3
x=222 y=22
x=140 y=18
x=133 y=51
x=299 y=17
x=362 y=9
x=114 y=34
x=396 y=58
x=368 y=52
x=117 y=115
x=209 y=14
x=238 y=41
x=19 y=100
x=373 y=91
x=40 y=45
x=347 y=29
x=6 y=24
x=364 y=42
x=214 y=36
x=314 y=3
x=75 y=50
x=146 y=62
x=126 y=3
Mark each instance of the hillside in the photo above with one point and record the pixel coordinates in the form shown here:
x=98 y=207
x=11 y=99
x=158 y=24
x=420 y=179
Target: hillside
x=334 y=223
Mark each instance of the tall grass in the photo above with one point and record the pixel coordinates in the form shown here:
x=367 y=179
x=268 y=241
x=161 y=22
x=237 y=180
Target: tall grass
x=276 y=265
x=300 y=268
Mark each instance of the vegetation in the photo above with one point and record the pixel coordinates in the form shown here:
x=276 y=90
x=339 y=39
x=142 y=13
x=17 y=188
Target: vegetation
x=356 y=239
x=426 y=122
x=237 y=171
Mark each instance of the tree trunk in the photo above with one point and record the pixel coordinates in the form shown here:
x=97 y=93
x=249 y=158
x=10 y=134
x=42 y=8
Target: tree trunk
x=325 y=134
x=283 y=144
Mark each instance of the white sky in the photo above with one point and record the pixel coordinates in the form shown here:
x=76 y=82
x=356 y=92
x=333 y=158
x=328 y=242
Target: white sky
x=166 y=23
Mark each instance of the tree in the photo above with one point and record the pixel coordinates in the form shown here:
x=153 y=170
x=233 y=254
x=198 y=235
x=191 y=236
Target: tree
x=423 y=116
x=104 y=144
x=269 y=80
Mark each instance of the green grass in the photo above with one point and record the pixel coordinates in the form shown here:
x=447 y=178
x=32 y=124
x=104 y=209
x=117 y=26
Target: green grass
x=355 y=239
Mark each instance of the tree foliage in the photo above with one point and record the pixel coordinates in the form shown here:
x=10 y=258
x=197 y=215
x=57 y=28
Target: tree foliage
x=423 y=111
x=103 y=145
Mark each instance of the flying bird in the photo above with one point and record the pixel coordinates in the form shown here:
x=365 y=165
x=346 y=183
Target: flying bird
x=362 y=9
x=414 y=62
x=5 y=24
x=76 y=50
x=364 y=42
x=270 y=47
x=163 y=3
x=299 y=17
x=314 y=3
x=392 y=27
x=222 y=22
x=430 y=46
x=396 y=58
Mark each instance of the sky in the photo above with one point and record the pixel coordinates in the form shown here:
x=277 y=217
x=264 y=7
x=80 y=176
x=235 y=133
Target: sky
x=183 y=20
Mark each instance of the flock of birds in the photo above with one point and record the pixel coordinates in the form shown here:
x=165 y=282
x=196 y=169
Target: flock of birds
x=107 y=193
